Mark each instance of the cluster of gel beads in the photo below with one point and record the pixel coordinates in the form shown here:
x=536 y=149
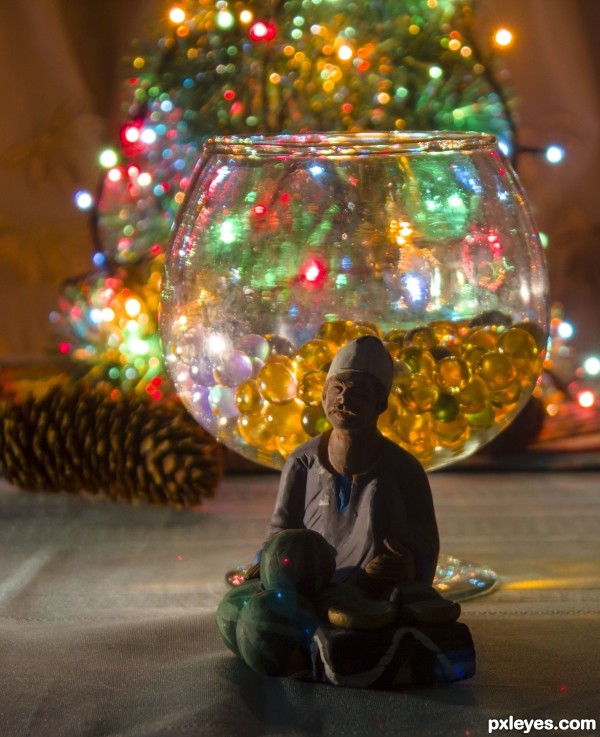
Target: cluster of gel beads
x=456 y=384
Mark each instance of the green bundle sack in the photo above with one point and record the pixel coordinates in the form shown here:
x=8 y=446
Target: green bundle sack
x=229 y=610
x=274 y=631
x=299 y=559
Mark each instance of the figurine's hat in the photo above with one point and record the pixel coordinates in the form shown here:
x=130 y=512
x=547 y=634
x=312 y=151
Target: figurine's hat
x=368 y=355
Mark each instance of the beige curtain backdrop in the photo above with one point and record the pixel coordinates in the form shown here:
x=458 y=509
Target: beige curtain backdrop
x=61 y=66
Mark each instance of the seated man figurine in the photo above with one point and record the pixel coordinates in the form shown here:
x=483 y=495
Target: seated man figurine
x=353 y=546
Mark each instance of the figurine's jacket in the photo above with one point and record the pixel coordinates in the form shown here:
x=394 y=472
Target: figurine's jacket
x=392 y=500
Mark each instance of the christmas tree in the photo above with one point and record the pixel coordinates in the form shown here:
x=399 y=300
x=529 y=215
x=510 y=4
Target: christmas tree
x=248 y=67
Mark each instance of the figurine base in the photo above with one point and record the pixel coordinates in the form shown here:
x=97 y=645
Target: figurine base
x=459 y=580
x=394 y=657
x=455 y=579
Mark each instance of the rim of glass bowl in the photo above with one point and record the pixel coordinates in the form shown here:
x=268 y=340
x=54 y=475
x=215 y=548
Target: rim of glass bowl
x=366 y=143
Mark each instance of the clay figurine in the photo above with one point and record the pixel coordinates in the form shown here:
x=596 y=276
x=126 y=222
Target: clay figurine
x=343 y=592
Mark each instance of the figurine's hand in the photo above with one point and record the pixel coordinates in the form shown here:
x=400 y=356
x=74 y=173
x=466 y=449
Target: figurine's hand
x=396 y=565
x=253 y=571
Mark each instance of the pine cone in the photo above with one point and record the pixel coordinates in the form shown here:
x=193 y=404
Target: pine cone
x=131 y=448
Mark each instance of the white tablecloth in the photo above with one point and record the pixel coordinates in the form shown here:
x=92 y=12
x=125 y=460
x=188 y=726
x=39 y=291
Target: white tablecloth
x=107 y=616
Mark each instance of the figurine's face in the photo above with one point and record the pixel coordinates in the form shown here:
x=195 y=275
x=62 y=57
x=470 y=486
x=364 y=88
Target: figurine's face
x=353 y=400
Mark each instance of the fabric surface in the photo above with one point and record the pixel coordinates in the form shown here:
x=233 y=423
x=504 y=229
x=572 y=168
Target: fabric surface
x=107 y=616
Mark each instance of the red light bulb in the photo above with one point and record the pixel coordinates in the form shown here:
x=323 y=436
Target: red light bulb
x=261 y=31
x=313 y=271
x=130 y=133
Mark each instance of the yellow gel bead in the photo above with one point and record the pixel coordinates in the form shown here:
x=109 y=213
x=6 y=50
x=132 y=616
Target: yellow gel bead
x=366 y=328
x=497 y=370
x=481 y=420
x=463 y=327
x=504 y=413
x=453 y=374
x=414 y=433
x=531 y=371
x=473 y=354
x=276 y=383
x=456 y=445
x=517 y=343
x=417 y=393
x=286 y=444
x=508 y=395
x=280 y=358
x=446 y=409
x=395 y=336
x=451 y=434
x=316 y=354
x=419 y=360
x=388 y=417
x=473 y=398
x=483 y=337
x=310 y=388
x=445 y=332
x=254 y=430
x=394 y=349
x=247 y=397
x=421 y=337
x=284 y=419
x=314 y=421
x=421 y=450
x=536 y=332
x=337 y=331
x=410 y=426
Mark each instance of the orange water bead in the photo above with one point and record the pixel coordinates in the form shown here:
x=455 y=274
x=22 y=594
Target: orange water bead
x=282 y=359
x=453 y=374
x=285 y=444
x=419 y=360
x=284 y=419
x=316 y=354
x=276 y=383
x=310 y=387
x=483 y=419
x=504 y=413
x=463 y=326
x=473 y=398
x=363 y=327
x=247 y=397
x=337 y=331
x=530 y=371
x=451 y=434
x=473 y=354
x=389 y=416
x=536 y=331
x=395 y=336
x=508 y=395
x=482 y=337
x=254 y=430
x=445 y=332
x=394 y=349
x=416 y=392
x=517 y=342
x=521 y=347
x=421 y=337
x=414 y=431
x=497 y=370
x=314 y=421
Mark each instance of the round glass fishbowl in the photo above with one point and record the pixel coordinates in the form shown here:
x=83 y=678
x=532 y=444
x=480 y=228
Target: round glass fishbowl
x=287 y=247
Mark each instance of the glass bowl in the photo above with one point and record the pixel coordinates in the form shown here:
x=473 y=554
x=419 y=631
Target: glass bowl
x=287 y=247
